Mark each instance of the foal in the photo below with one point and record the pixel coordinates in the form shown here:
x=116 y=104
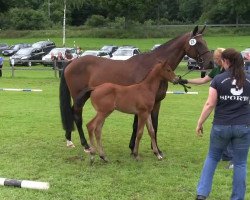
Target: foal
x=134 y=99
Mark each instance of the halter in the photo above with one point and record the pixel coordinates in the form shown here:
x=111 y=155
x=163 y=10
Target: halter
x=199 y=58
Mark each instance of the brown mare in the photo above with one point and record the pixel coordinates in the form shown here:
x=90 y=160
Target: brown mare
x=90 y=71
x=136 y=99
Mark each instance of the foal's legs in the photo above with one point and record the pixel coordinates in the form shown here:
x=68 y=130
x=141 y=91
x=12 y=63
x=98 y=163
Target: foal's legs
x=78 y=121
x=154 y=117
x=91 y=126
x=98 y=136
x=152 y=135
x=95 y=127
x=141 y=123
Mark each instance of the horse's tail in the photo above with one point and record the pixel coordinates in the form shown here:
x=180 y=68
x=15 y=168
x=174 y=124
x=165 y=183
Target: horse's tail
x=65 y=105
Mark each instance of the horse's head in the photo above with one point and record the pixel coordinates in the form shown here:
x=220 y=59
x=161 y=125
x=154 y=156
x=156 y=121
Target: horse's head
x=166 y=72
x=196 y=48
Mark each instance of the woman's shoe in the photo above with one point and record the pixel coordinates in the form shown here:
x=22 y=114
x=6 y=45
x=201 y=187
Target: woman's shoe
x=200 y=197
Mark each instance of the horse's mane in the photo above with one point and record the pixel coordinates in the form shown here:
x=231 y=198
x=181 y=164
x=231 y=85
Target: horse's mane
x=167 y=43
x=151 y=69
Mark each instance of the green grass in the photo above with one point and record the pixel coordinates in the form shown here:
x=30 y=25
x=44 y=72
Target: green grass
x=33 y=145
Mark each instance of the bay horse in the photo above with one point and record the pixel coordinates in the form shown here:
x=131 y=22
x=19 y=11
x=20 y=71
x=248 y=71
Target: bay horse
x=89 y=71
x=136 y=99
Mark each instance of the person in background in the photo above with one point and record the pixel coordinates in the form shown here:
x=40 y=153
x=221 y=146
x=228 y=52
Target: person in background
x=1 y=66
x=229 y=95
x=218 y=69
x=58 y=62
x=247 y=61
x=68 y=55
x=78 y=51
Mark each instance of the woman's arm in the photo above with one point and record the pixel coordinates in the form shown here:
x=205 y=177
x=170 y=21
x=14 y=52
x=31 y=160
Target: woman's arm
x=199 y=81
x=207 y=109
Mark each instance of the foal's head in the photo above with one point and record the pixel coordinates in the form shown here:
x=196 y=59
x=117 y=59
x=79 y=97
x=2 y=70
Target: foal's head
x=166 y=72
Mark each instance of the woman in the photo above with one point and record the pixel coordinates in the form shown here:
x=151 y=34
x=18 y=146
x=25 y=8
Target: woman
x=229 y=94
x=218 y=69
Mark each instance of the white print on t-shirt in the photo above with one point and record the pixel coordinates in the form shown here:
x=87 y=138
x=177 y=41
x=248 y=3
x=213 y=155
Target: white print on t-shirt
x=235 y=90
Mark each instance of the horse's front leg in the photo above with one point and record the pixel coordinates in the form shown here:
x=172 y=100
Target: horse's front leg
x=154 y=117
x=78 y=121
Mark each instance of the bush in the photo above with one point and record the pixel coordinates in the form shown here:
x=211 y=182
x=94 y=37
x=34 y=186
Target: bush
x=96 y=21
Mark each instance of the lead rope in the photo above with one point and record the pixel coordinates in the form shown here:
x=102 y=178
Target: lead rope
x=186 y=87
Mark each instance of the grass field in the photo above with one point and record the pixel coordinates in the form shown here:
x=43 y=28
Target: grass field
x=33 y=146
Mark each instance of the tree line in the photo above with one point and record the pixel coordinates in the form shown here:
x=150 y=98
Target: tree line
x=46 y=14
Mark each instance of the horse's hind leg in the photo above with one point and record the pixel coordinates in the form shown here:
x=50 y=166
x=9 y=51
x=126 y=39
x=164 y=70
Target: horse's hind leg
x=152 y=136
x=68 y=138
x=78 y=121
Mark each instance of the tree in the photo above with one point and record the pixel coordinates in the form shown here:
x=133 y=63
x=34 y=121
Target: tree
x=226 y=11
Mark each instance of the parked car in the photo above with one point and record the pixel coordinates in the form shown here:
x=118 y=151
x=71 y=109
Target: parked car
x=3 y=46
x=192 y=64
x=46 y=59
x=45 y=46
x=155 y=46
x=27 y=56
x=96 y=53
x=110 y=49
x=245 y=53
x=14 y=48
x=125 y=53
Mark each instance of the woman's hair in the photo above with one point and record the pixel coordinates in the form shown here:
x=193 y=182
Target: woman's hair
x=236 y=65
x=218 y=51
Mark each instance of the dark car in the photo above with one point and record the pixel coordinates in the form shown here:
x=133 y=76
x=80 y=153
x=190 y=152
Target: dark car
x=192 y=64
x=45 y=46
x=14 y=48
x=27 y=56
x=3 y=46
x=110 y=49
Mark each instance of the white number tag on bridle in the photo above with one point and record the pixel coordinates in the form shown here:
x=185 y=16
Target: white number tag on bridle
x=192 y=42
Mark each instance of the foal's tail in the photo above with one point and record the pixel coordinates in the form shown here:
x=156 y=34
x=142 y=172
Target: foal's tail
x=65 y=106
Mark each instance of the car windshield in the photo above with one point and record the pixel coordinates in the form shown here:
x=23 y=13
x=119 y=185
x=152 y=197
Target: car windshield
x=57 y=50
x=24 y=51
x=37 y=45
x=123 y=52
x=15 y=47
x=106 y=48
x=93 y=53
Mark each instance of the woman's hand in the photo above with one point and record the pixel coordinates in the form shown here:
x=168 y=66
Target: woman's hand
x=199 y=130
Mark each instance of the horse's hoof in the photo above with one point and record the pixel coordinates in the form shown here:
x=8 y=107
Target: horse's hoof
x=136 y=156
x=162 y=155
x=159 y=157
x=70 y=144
x=104 y=158
x=89 y=150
